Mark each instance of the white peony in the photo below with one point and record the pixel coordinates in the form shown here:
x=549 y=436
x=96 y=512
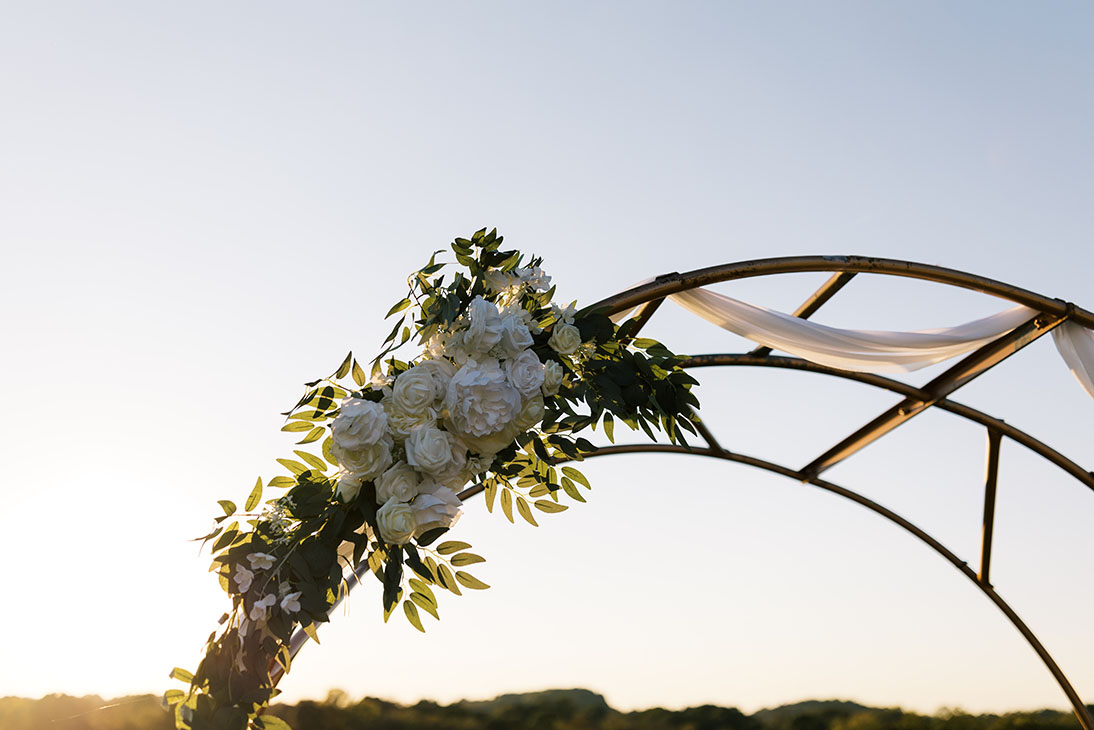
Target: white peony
x=531 y=413
x=525 y=373
x=429 y=450
x=400 y=483
x=553 y=373
x=515 y=337
x=565 y=340
x=483 y=328
x=480 y=401
x=487 y=446
x=397 y=522
x=436 y=506
x=367 y=462
x=414 y=391
x=359 y=423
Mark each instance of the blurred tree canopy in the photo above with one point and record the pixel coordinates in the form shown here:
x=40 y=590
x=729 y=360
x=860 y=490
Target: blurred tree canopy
x=575 y=709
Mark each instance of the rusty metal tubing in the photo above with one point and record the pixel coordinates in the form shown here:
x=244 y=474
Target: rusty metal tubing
x=1076 y=703
x=878 y=381
x=667 y=284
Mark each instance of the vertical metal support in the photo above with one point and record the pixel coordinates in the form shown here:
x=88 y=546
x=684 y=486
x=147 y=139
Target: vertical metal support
x=991 y=478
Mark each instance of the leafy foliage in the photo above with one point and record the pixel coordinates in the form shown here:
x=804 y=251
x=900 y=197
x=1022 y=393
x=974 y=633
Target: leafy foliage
x=285 y=561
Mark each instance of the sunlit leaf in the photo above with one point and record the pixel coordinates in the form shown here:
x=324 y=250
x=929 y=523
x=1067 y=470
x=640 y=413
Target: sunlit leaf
x=255 y=496
x=469 y=581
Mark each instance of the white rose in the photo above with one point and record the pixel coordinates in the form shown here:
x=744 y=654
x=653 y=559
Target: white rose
x=515 y=337
x=483 y=328
x=359 y=423
x=367 y=462
x=552 y=377
x=525 y=373
x=565 y=340
x=397 y=523
x=400 y=483
x=348 y=487
x=428 y=450
x=441 y=371
x=531 y=413
x=480 y=401
x=436 y=506
x=414 y=391
x=401 y=424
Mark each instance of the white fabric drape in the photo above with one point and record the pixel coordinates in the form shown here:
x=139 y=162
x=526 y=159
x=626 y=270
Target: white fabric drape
x=863 y=351
x=1076 y=345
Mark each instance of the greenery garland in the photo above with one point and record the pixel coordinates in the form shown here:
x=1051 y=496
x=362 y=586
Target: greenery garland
x=505 y=381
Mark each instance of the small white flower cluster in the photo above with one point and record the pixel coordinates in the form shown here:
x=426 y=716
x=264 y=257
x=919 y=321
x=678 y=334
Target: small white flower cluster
x=440 y=424
x=244 y=578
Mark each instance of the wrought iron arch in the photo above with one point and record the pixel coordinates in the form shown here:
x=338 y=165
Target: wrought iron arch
x=1050 y=313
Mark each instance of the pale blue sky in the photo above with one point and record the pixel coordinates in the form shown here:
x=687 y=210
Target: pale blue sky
x=203 y=205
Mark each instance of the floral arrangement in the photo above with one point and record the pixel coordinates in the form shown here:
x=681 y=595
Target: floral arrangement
x=505 y=380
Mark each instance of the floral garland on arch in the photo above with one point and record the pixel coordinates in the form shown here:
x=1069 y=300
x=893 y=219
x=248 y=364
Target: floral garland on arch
x=505 y=380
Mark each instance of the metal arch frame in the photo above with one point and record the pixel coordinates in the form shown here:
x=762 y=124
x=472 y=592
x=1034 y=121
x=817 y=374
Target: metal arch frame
x=1050 y=314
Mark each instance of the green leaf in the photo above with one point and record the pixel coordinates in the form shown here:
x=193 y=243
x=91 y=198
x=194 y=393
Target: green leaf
x=576 y=476
x=411 y=611
x=173 y=697
x=359 y=376
x=526 y=512
x=314 y=461
x=400 y=306
x=469 y=581
x=181 y=674
x=314 y=435
x=422 y=588
x=427 y=538
x=425 y=604
x=282 y=482
x=571 y=489
x=271 y=722
x=545 y=505
x=491 y=492
x=254 y=497
x=609 y=427
x=294 y=466
x=309 y=629
x=228 y=506
x=452 y=546
x=507 y=504
x=296 y=426
x=447 y=580
x=343 y=369
x=467 y=559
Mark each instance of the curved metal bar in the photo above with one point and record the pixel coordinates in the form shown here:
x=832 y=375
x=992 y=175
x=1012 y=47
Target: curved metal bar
x=793 y=363
x=1076 y=703
x=667 y=284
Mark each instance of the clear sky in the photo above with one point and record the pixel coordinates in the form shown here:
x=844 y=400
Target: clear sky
x=203 y=205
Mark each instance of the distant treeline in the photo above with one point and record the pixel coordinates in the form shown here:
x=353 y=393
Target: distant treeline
x=574 y=709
